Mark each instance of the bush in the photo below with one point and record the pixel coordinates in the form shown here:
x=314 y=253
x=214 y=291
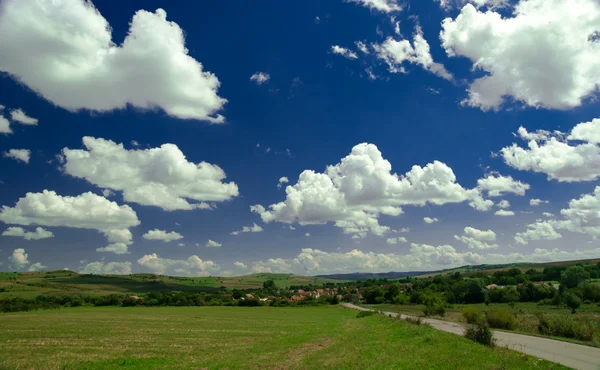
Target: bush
x=572 y=301
x=480 y=332
x=545 y=302
x=434 y=306
x=566 y=326
x=400 y=299
x=471 y=314
x=365 y=314
x=501 y=319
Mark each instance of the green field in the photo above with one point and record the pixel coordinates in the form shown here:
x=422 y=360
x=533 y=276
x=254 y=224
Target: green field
x=525 y=313
x=32 y=284
x=236 y=338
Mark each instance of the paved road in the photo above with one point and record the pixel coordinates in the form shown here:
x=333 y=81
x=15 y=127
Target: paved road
x=569 y=354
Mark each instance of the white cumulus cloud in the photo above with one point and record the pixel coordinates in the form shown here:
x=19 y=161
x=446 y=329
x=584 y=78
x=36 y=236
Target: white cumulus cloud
x=536 y=202
x=163 y=235
x=19 y=258
x=503 y=212
x=543 y=56
x=20 y=116
x=110 y=268
x=477 y=239
x=64 y=51
x=249 y=229
x=282 y=180
x=85 y=211
x=212 y=244
x=22 y=155
x=37 y=267
x=498 y=185
x=540 y=230
x=193 y=266
x=429 y=220
x=39 y=233
x=160 y=177
x=555 y=156
x=356 y=191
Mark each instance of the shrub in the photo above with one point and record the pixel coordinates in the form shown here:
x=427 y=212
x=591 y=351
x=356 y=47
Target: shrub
x=471 y=314
x=566 y=326
x=364 y=314
x=545 y=302
x=572 y=301
x=434 y=306
x=400 y=299
x=480 y=332
x=501 y=319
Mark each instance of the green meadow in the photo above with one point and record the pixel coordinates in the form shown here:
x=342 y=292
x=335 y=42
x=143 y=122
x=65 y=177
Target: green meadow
x=236 y=338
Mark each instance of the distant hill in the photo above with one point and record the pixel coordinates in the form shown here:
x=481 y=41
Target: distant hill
x=32 y=284
x=465 y=270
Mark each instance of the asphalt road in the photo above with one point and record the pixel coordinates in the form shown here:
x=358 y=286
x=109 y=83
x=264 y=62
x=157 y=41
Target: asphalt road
x=569 y=354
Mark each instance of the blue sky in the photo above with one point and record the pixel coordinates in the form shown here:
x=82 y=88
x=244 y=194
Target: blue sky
x=447 y=93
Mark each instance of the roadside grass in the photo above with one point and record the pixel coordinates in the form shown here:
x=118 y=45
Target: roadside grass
x=526 y=314
x=236 y=338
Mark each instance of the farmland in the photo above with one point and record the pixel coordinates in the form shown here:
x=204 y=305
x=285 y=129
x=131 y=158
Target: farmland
x=32 y=284
x=236 y=337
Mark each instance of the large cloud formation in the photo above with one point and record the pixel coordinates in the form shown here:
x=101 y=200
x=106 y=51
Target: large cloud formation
x=477 y=239
x=565 y=157
x=85 y=211
x=545 y=55
x=354 y=192
x=64 y=51
x=160 y=177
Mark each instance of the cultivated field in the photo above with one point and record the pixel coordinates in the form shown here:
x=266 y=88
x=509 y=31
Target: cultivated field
x=236 y=338
x=32 y=284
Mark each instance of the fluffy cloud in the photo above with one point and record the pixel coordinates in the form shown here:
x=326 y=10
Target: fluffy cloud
x=212 y=244
x=503 y=212
x=551 y=154
x=394 y=53
x=314 y=261
x=536 y=202
x=540 y=230
x=240 y=265
x=85 y=69
x=399 y=239
x=37 y=267
x=491 y=4
x=362 y=47
x=111 y=268
x=282 y=180
x=346 y=53
x=193 y=266
x=4 y=125
x=476 y=239
x=85 y=211
x=260 y=78
x=249 y=229
x=503 y=204
x=386 y=6
x=19 y=258
x=160 y=177
x=429 y=220
x=116 y=248
x=544 y=255
x=543 y=38
x=356 y=191
x=20 y=116
x=39 y=233
x=583 y=215
x=498 y=185
x=22 y=155
x=548 y=214
x=163 y=235
x=587 y=131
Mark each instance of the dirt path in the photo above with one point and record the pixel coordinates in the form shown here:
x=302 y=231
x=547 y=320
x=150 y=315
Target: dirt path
x=569 y=354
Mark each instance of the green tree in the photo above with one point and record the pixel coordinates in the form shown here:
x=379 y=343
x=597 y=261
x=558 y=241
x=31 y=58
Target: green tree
x=269 y=284
x=573 y=276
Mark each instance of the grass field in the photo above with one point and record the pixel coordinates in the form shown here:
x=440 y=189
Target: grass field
x=236 y=338
x=32 y=284
x=525 y=312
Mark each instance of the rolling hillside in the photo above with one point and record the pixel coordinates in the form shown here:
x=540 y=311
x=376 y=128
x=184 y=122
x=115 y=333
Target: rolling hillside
x=31 y=284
